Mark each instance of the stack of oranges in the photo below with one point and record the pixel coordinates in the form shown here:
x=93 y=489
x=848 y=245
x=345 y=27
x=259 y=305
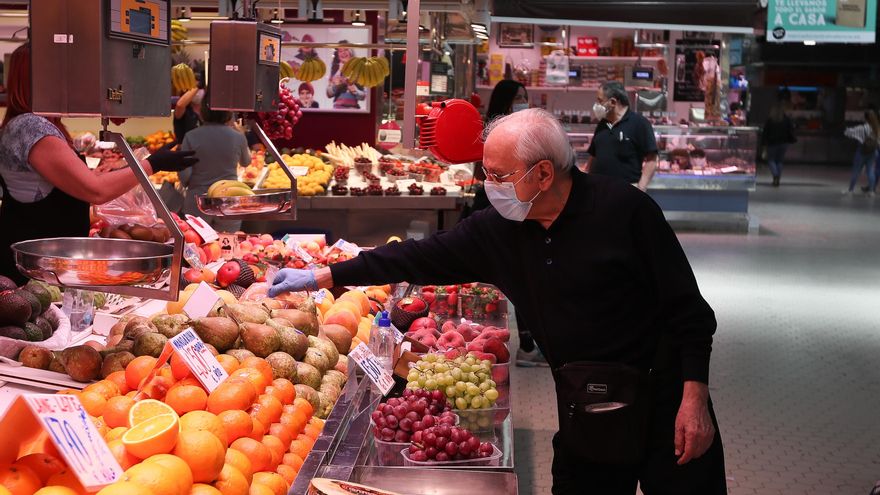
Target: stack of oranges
x=249 y=436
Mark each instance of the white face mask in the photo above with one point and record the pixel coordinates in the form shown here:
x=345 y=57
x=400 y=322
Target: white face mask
x=502 y=195
x=599 y=110
x=516 y=107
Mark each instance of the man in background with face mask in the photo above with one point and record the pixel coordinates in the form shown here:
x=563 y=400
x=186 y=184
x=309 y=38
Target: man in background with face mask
x=597 y=274
x=623 y=145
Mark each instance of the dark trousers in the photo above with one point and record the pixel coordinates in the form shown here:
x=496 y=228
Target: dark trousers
x=658 y=473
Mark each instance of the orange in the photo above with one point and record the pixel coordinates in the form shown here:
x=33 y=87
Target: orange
x=231 y=395
x=254 y=376
x=231 y=481
x=156 y=477
x=273 y=480
x=292 y=460
x=55 y=490
x=358 y=297
x=179 y=369
x=43 y=465
x=258 y=489
x=204 y=421
x=259 y=454
x=284 y=389
x=187 y=398
x=125 y=488
x=115 y=433
x=66 y=478
x=273 y=406
x=20 y=480
x=313 y=430
x=276 y=445
x=260 y=364
x=179 y=470
x=306 y=439
x=116 y=411
x=229 y=363
x=258 y=431
x=238 y=460
x=305 y=406
x=300 y=448
x=237 y=424
x=203 y=489
x=146 y=409
x=261 y=414
x=93 y=403
x=105 y=388
x=203 y=452
x=288 y=473
x=297 y=421
x=282 y=431
x=120 y=453
x=137 y=370
x=157 y=387
x=118 y=377
x=157 y=435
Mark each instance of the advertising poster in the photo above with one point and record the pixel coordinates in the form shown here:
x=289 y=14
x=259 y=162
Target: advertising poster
x=828 y=21
x=696 y=69
x=333 y=92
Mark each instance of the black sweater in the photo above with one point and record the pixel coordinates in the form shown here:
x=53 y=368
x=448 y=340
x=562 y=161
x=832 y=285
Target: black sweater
x=601 y=284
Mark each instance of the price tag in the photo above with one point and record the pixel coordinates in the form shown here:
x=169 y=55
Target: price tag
x=319 y=296
x=201 y=302
x=347 y=247
x=203 y=229
x=228 y=246
x=198 y=358
x=398 y=335
x=72 y=431
x=299 y=171
x=192 y=256
x=300 y=252
x=365 y=358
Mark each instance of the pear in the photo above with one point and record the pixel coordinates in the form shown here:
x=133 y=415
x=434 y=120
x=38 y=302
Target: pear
x=317 y=358
x=247 y=313
x=170 y=325
x=306 y=374
x=262 y=340
x=306 y=323
x=328 y=348
x=218 y=331
x=240 y=354
x=283 y=365
x=293 y=342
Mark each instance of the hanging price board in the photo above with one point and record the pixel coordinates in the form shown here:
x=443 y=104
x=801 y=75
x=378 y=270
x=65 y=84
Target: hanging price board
x=381 y=377
x=199 y=359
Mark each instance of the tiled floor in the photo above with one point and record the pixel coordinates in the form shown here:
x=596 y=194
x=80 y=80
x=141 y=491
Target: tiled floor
x=795 y=374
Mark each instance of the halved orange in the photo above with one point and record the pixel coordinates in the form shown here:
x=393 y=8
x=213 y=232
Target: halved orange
x=157 y=435
x=146 y=409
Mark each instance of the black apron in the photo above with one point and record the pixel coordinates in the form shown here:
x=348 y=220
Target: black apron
x=56 y=215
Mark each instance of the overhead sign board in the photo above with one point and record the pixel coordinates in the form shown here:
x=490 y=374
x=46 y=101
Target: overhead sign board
x=822 y=21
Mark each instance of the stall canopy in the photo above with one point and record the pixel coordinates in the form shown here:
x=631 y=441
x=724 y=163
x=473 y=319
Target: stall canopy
x=736 y=16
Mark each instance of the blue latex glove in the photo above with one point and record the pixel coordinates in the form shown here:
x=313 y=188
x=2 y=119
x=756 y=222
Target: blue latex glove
x=293 y=280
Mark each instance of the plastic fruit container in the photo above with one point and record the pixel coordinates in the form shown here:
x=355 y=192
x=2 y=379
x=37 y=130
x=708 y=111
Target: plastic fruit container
x=481 y=420
x=492 y=460
x=501 y=373
x=388 y=453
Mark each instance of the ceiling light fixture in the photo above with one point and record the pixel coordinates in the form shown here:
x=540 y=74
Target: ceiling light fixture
x=810 y=42
x=184 y=15
x=357 y=19
x=276 y=19
x=478 y=27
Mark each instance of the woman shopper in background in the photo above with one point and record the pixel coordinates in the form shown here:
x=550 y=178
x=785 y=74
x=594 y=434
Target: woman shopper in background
x=778 y=133
x=508 y=96
x=867 y=135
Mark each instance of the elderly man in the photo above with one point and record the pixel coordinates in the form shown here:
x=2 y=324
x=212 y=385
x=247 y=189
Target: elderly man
x=623 y=145
x=600 y=278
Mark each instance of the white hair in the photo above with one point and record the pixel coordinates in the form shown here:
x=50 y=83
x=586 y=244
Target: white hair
x=541 y=137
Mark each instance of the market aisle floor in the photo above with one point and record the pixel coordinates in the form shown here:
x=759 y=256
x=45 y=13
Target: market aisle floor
x=794 y=368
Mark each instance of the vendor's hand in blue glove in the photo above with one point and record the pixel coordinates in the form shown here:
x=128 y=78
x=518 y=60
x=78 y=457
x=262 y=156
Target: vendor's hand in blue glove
x=293 y=280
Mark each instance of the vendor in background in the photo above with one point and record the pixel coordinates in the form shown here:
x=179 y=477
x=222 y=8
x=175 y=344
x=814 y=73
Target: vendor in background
x=187 y=113
x=345 y=93
x=623 y=145
x=508 y=96
x=220 y=148
x=306 y=94
x=47 y=188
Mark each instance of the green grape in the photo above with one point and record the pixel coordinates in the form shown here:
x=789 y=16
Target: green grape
x=456 y=373
x=487 y=404
x=421 y=381
x=470 y=360
x=461 y=386
x=461 y=403
x=465 y=368
x=473 y=378
x=431 y=384
x=473 y=390
x=448 y=380
x=412 y=376
x=451 y=392
x=491 y=383
x=484 y=387
x=487 y=364
x=476 y=402
x=492 y=394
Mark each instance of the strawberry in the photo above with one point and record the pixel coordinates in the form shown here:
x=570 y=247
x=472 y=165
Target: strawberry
x=452 y=299
x=491 y=307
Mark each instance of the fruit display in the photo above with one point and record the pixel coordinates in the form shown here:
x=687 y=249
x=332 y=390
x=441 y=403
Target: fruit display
x=444 y=443
x=366 y=71
x=479 y=302
x=26 y=313
x=316 y=181
x=312 y=69
x=397 y=419
x=416 y=190
x=438 y=191
x=158 y=139
x=183 y=79
x=279 y=124
x=229 y=188
x=342 y=154
x=252 y=172
x=466 y=380
x=163 y=176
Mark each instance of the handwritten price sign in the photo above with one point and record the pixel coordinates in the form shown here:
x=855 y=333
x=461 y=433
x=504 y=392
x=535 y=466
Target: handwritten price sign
x=75 y=436
x=201 y=362
x=380 y=376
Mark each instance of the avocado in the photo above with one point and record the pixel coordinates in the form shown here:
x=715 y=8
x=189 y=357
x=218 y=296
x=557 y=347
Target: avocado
x=14 y=309
x=36 y=307
x=42 y=294
x=13 y=332
x=6 y=283
x=45 y=326
x=34 y=333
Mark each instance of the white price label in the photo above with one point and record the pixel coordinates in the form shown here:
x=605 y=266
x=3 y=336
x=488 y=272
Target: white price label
x=201 y=302
x=364 y=357
x=398 y=335
x=80 y=443
x=192 y=256
x=201 y=227
x=199 y=359
x=319 y=296
x=347 y=247
x=299 y=171
x=301 y=253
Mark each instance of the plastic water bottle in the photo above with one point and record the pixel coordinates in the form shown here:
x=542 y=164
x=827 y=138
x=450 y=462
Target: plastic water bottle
x=79 y=306
x=382 y=341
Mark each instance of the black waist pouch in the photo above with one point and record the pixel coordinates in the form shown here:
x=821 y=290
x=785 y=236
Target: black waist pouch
x=604 y=410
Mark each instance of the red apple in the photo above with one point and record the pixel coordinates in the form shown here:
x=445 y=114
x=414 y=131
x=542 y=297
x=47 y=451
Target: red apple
x=412 y=304
x=228 y=273
x=193 y=275
x=423 y=322
x=212 y=249
x=193 y=237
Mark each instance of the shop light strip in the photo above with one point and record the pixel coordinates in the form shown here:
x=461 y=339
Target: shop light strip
x=627 y=25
